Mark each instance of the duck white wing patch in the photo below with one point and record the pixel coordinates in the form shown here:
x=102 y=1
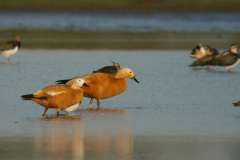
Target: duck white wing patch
x=55 y=93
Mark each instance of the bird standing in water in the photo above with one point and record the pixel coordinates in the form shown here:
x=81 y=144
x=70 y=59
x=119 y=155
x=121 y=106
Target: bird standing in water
x=102 y=85
x=10 y=47
x=59 y=97
x=229 y=59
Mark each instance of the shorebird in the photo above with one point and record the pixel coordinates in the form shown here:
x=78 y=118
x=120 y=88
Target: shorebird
x=112 y=70
x=10 y=47
x=102 y=85
x=59 y=97
x=211 y=51
x=203 y=55
x=229 y=59
x=198 y=51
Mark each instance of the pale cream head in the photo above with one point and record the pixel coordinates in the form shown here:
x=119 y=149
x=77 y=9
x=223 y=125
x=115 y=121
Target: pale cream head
x=126 y=73
x=78 y=83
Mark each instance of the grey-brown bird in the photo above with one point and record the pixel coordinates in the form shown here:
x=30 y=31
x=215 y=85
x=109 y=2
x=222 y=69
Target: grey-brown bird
x=112 y=70
x=10 y=47
x=229 y=59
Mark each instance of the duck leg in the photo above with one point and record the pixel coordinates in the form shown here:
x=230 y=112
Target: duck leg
x=44 y=113
x=9 y=59
x=90 y=104
x=58 y=110
x=98 y=104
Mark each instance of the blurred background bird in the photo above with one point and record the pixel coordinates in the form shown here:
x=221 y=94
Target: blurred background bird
x=10 y=47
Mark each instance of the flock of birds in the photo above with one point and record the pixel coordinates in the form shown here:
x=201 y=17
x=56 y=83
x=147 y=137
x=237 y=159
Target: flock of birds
x=207 y=56
x=67 y=95
x=108 y=81
x=104 y=83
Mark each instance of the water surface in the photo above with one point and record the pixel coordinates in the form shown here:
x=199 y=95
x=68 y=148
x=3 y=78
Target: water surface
x=175 y=112
x=114 y=22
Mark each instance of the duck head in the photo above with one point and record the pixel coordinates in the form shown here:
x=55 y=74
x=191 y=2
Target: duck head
x=126 y=73
x=78 y=83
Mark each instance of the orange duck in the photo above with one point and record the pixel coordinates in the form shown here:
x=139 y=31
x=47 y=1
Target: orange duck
x=103 y=85
x=57 y=96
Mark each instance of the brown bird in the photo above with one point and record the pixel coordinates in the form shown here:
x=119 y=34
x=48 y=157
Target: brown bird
x=203 y=55
x=112 y=70
x=10 y=47
x=103 y=85
x=57 y=96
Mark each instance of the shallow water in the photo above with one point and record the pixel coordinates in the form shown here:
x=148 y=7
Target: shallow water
x=175 y=112
x=104 y=22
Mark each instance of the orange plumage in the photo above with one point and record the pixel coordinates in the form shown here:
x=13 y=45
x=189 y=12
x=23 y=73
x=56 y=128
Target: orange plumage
x=57 y=96
x=103 y=85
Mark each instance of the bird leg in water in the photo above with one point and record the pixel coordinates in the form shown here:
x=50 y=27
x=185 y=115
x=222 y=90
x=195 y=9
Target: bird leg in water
x=98 y=104
x=58 y=110
x=90 y=104
x=44 y=113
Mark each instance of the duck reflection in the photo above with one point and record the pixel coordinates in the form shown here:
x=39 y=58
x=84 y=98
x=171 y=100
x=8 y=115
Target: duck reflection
x=101 y=111
x=82 y=138
x=58 y=136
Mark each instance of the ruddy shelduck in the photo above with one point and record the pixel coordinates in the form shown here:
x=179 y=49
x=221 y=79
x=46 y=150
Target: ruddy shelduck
x=59 y=97
x=102 y=85
x=112 y=70
x=10 y=47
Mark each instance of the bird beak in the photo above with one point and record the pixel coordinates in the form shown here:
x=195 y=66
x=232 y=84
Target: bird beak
x=134 y=78
x=112 y=61
x=84 y=84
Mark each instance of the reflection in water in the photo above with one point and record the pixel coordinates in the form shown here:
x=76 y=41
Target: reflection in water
x=72 y=137
x=212 y=70
x=58 y=136
x=9 y=63
x=101 y=111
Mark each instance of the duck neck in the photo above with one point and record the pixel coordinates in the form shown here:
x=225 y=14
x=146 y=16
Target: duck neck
x=120 y=74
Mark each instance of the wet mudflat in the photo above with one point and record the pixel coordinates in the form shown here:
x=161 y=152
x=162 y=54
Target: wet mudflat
x=175 y=112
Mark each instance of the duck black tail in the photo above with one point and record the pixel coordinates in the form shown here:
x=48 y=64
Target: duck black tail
x=237 y=104
x=63 y=81
x=27 y=96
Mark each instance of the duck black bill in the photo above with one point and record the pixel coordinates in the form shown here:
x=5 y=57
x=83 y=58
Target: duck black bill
x=134 y=78
x=84 y=84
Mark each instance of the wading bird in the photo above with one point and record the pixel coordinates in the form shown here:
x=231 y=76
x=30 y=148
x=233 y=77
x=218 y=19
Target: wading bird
x=102 y=85
x=10 y=47
x=59 y=97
